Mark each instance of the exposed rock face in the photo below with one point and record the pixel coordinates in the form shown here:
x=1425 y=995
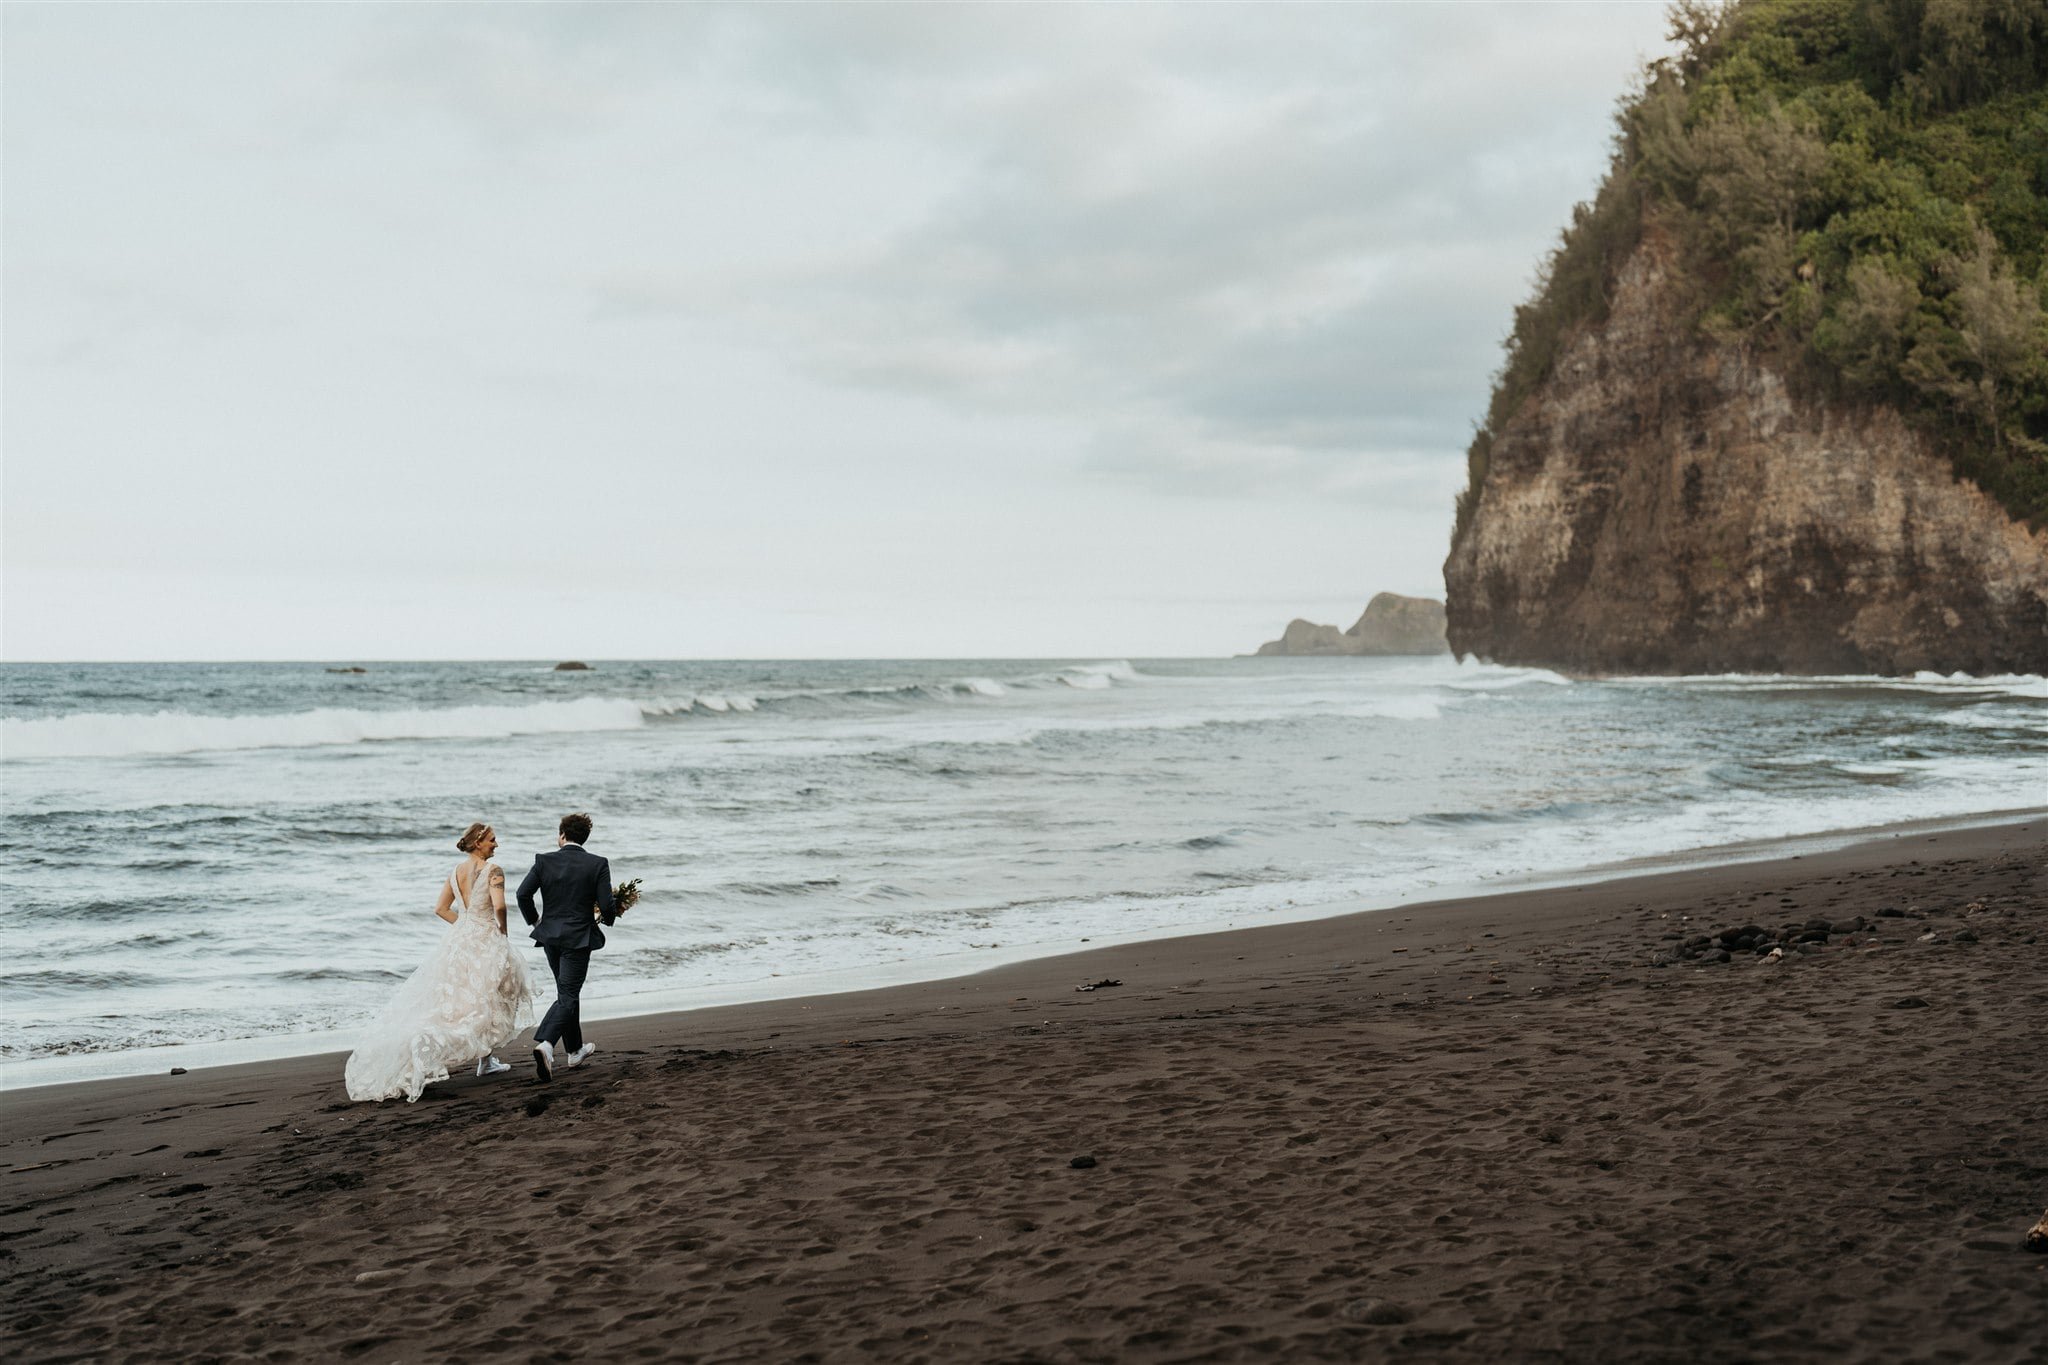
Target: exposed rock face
x=1663 y=504
x=1306 y=637
x=1392 y=624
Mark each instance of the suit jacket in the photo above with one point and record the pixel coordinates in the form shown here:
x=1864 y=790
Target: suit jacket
x=572 y=882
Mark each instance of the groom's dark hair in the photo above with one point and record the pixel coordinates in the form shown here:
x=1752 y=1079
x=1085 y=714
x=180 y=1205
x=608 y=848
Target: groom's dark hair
x=575 y=828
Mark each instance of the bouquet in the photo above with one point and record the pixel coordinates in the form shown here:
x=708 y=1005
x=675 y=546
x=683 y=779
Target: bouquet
x=625 y=896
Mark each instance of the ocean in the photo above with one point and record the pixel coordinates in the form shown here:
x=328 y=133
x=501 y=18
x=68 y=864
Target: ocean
x=200 y=853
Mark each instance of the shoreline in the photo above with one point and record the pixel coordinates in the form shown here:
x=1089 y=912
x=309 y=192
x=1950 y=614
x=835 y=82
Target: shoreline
x=66 y=1069
x=1508 y=1126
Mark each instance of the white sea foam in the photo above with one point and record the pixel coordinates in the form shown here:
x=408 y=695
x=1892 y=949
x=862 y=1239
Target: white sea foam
x=1085 y=676
x=716 y=703
x=1095 y=677
x=1397 y=708
x=101 y=734
x=1994 y=717
x=2016 y=684
x=1478 y=677
x=136 y=734
x=1965 y=684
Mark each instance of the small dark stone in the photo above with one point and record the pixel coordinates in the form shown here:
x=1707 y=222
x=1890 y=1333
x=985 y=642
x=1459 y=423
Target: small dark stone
x=1966 y=936
x=572 y=666
x=1911 y=1002
x=178 y=1071
x=1823 y=925
x=1082 y=1163
x=1814 y=936
x=1718 y=955
x=1891 y=912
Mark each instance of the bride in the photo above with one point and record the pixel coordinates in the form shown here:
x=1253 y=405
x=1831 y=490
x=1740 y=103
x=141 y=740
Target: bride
x=468 y=999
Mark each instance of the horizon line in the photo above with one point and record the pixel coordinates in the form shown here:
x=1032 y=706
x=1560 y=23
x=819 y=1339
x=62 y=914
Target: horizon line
x=593 y=660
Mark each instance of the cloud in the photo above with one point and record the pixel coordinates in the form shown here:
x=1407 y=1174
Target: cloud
x=1255 y=258
x=975 y=321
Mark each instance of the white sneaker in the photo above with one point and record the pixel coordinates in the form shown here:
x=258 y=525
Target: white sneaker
x=544 y=1060
x=580 y=1055
x=491 y=1066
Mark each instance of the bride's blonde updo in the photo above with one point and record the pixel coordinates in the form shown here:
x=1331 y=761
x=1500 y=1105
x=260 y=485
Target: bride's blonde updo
x=472 y=836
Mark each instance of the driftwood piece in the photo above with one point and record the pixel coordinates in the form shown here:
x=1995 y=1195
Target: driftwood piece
x=2037 y=1235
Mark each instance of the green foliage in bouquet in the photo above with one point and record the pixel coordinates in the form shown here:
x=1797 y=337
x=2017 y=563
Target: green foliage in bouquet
x=625 y=896
x=1859 y=188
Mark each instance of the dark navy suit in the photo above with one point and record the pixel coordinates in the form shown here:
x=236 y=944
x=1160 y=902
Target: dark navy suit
x=575 y=889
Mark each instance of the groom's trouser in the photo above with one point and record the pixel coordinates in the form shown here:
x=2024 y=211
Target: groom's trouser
x=563 y=1023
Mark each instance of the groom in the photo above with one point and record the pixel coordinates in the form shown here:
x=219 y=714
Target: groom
x=576 y=894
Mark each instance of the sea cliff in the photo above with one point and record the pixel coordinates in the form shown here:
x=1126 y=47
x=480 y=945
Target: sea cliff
x=1664 y=502
x=1779 y=400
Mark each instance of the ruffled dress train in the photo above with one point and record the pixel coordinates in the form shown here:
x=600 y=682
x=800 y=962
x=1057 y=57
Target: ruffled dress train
x=469 y=998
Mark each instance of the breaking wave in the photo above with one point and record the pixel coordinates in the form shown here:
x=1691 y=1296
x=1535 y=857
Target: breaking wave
x=1082 y=677
x=100 y=734
x=117 y=734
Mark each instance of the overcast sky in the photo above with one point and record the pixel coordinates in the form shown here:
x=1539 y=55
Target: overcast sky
x=365 y=331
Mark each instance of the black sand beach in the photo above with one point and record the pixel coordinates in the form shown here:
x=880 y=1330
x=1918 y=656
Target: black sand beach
x=1499 y=1128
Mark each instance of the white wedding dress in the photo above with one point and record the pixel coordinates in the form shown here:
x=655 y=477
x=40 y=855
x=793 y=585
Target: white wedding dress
x=468 y=999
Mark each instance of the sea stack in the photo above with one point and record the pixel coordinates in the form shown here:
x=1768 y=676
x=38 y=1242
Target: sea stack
x=1392 y=624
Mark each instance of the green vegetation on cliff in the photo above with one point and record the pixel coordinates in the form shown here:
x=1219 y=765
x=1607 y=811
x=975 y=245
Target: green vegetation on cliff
x=1858 y=188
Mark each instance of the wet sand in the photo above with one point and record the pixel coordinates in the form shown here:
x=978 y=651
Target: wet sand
x=1501 y=1128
